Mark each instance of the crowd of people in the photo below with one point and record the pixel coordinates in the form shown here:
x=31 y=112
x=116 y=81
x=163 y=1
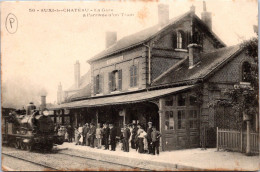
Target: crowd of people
x=106 y=135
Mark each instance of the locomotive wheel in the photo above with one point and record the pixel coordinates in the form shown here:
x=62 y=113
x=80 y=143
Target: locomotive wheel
x=29 y=147
x=19 y=142
x=16 y=145
x=22 y=146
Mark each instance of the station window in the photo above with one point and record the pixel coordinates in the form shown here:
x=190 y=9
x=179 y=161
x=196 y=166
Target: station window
x=181 y=99
x=115 y=80
x=181 y=119
x=193 y=117
x=193 y=100
x=169 y=120
x=169 y=101
x=98 y=84
x=133 y=76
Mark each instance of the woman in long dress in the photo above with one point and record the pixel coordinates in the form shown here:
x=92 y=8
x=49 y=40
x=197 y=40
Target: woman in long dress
x=80 y=137
x=76 y=132
x=141 y=135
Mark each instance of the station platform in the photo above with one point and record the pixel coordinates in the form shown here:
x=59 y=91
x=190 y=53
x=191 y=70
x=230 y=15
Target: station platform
x=187 y=159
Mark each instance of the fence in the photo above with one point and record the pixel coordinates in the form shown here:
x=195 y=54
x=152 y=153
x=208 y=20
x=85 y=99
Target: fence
x=236 y=140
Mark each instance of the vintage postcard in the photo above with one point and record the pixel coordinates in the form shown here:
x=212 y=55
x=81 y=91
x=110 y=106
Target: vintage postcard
x=129 y=85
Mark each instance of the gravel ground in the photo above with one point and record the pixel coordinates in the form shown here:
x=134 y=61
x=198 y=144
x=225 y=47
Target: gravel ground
x=60 y=161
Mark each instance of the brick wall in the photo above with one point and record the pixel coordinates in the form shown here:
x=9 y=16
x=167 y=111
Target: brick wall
x=121 y=61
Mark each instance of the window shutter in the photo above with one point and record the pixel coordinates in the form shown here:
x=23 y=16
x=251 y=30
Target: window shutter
x=136 y=75
x=97 y=83
x=94 y=86
x=100 y=83
x=184 y=40
x=120 y=79
x=110 y=81
x=131 y=75
x=174 y=40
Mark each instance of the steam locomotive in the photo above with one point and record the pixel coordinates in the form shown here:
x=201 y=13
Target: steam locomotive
x=29 y=129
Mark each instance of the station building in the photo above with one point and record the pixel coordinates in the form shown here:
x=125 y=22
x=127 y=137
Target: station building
x=167 y=74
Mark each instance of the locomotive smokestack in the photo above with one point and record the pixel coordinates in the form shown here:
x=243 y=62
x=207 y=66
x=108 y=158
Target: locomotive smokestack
x=43 y=102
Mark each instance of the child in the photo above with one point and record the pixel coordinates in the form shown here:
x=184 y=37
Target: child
x=155 y=140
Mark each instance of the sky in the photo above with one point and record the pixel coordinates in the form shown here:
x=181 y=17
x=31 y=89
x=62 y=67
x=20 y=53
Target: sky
x=43 y=50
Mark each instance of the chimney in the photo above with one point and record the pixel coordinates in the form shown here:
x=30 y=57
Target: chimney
x=43 y=102
x=192 y=9
x=194 y=58
x=59 y=94
x=77 y=74
x=163 y=14
x=111 y=38
x=206 y=16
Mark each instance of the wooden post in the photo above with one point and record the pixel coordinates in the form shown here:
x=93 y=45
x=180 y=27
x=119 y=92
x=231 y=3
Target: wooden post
x=124 y=113
x=248 y=148
x=241 y=140
x=161 y=118
x=62 y=117
x=97 y=117
x=217 y=140
x=55 y=120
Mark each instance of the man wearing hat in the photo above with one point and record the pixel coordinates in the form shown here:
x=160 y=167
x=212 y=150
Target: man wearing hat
x=92 y=132
x=106 y=131
x=149 y=137
x=84 y=133
x=134 y=133
x=126 y=135
x=112 y=136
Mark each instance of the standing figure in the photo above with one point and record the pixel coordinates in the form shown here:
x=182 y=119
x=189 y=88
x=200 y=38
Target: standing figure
x=76 y=133
x=141 y=134
x=149 y=137
x=106 y=132
x=80 y=129
x=112 y=136
x=70 y=133
x=121 y=144
x=134 y=133
x=126 y=134
x=155 y=140
x=92 y=132
x=84 y=133
x=99 y=135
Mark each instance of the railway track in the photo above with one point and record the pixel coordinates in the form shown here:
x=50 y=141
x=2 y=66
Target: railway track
x=66 y=156
x=36 y=163
x=129 y=166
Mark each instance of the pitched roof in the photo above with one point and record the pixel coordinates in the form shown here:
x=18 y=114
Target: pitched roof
x=209 y=62
x=84 y=92
x=142 y=37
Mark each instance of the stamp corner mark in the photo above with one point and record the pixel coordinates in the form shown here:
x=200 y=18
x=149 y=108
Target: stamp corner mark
x=11 y=23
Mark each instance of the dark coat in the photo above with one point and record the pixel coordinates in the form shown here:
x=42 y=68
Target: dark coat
x=106 y=132
x=134 y=131
x=85 y=131
x=112 y=134
x=127 y=133
x=92 y=131
x=149 y=132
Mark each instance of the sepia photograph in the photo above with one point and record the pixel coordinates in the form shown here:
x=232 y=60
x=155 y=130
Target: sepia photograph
x=130 y=85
